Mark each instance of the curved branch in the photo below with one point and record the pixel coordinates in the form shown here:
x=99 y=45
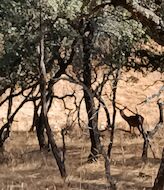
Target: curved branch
x=153 y=23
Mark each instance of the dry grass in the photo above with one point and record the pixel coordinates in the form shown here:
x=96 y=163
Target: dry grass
x=24 y=167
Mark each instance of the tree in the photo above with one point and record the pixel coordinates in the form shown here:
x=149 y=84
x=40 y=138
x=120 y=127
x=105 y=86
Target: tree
x=88 y=35
x=26 y=65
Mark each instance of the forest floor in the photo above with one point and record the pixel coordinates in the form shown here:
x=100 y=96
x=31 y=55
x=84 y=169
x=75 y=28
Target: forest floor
x=24 y=167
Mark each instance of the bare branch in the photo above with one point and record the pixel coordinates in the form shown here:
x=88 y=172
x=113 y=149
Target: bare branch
x=156 y=95
x=78 y=112
x=17 y=94
x=154 y=83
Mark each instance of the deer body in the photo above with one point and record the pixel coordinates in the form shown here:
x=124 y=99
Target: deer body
x=133 y=121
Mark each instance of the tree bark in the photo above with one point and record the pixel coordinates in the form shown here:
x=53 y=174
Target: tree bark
x=92 y=113
x=89 y=101
x=40 y=132
x=35 y=116
x=44 y=118
x=43 y=81
x=160 y=123
x=151 y=133
x=159 y=181
x=114 y=91
x=145 y=146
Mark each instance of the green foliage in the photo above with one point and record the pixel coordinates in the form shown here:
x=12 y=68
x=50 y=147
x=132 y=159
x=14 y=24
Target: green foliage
x=69 y=8
x=20 y=31
x=115 y=33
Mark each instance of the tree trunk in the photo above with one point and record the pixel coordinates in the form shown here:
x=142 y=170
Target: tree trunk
x=88 y=97
x=5 y=130
x=151 y=133
x=159 y=181
x=160 y=123
x=114 y=91
x=44 y=110
x=145 y=145
x=35 y=116
x=90 y=107
x=43 y=119
x=56 y=152
x=40 y=131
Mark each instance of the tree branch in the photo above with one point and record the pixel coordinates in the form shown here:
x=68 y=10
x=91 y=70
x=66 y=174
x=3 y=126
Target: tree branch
x=153 y=23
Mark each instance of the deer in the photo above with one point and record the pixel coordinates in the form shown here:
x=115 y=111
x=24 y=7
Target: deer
x=133 y=120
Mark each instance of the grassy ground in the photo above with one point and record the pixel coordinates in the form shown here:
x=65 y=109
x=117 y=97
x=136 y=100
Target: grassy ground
x=24 y=167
